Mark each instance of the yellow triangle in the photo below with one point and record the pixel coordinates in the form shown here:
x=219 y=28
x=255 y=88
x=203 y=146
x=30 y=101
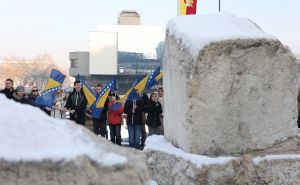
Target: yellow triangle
x=159 y=76
x=125 y=96
x=89 y=96
x=141 y=85
x=51 y=84
x=103 y=99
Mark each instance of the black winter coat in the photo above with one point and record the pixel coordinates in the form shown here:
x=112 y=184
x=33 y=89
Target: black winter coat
x=134 y=118
x=32 y=102
x=32 y=99
x=154 y=111
x=77 y=101
x=22 y=100
x=8 y=93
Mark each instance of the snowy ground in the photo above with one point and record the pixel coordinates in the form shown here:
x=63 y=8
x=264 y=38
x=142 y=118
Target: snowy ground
x=158 y=143
x=39 y=137
x=124 y=133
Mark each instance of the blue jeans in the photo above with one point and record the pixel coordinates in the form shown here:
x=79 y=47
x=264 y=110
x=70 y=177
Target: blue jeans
x=134 y=132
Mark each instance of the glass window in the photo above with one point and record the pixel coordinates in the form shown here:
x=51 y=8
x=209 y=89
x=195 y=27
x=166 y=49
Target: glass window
x=74 y=63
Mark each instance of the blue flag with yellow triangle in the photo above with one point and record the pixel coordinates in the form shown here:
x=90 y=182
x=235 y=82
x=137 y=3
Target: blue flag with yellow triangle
x=46 y=98
x=136 y=82
x=124 y=98
x=100 y=101
x=151 y=81
x=136 y=91
x=88 y=92
x=114 y=85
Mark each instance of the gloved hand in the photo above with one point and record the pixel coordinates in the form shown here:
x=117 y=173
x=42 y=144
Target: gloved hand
x=48 y=108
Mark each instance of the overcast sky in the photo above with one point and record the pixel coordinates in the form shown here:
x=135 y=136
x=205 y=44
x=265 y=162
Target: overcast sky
x=56 y=27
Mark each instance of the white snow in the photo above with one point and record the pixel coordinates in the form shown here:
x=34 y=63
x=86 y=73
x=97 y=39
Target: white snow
x=257 y=160
x=158 y=143
x=28 y=134
x=198 y=31
x=153 y=182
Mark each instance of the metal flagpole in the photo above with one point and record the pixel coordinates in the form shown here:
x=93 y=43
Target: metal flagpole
x=219 y=5
x=178 y=7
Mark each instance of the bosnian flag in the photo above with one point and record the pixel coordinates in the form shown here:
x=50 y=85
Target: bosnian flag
x=46 y=98
x=187 y=7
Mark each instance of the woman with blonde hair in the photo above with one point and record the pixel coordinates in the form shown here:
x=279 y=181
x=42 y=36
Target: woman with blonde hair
x=58 y=106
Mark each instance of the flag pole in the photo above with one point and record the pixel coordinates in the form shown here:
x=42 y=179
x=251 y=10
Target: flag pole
x=178 y=7
x=219 y=5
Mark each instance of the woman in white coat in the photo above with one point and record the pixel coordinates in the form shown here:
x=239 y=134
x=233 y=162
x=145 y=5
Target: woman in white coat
x=58 y=107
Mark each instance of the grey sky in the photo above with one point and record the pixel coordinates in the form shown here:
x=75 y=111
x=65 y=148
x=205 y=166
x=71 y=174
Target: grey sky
x=55 y=27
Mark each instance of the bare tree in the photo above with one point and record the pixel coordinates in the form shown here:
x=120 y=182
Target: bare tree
x=23 y=71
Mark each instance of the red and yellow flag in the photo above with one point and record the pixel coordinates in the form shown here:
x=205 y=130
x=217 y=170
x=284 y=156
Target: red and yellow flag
x=187 y=7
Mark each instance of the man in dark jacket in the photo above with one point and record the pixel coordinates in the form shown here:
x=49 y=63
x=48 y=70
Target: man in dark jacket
x=99 y=124
x=134 y=110
x=143 y=126
x=76 y=104
x=9 y=88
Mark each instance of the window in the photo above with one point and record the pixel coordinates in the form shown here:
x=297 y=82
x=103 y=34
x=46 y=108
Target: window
x=74 y=63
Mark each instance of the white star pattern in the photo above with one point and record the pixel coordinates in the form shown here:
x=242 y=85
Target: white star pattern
x=50 y=90
x=104 y=91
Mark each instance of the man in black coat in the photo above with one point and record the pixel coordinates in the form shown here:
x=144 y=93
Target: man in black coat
x=9 y=88
x=134 y=110
x=76 y=104
x=99 y=124
x=143 y=127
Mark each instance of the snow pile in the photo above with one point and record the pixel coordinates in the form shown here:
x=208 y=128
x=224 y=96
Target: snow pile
x=158 y=143
x=198 y=31
x=28 y=134
x=257 y=160
x=153 y=182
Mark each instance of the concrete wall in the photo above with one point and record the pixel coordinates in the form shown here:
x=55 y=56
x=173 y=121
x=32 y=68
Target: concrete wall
x=79 y=63
x=103 y=53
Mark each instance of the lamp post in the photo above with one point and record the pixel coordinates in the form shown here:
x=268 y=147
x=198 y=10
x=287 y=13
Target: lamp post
x=136 y=67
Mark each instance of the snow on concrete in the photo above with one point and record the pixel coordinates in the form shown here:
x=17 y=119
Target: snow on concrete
x=198 y=31
x=153 y=182
x=28 y=134
x=257 y=160
x=158 y=143
x=230 y=100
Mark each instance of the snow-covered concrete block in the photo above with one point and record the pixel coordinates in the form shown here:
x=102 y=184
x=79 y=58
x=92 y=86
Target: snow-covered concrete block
x=230 y=88
x=38 y=149
x=169 y=165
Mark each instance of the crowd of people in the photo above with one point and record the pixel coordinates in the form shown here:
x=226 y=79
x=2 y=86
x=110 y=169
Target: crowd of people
x=138 y=113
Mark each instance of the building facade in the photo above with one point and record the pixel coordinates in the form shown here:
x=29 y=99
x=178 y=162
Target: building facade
x=79 y=63
x=128 y=50
x=129 y=17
